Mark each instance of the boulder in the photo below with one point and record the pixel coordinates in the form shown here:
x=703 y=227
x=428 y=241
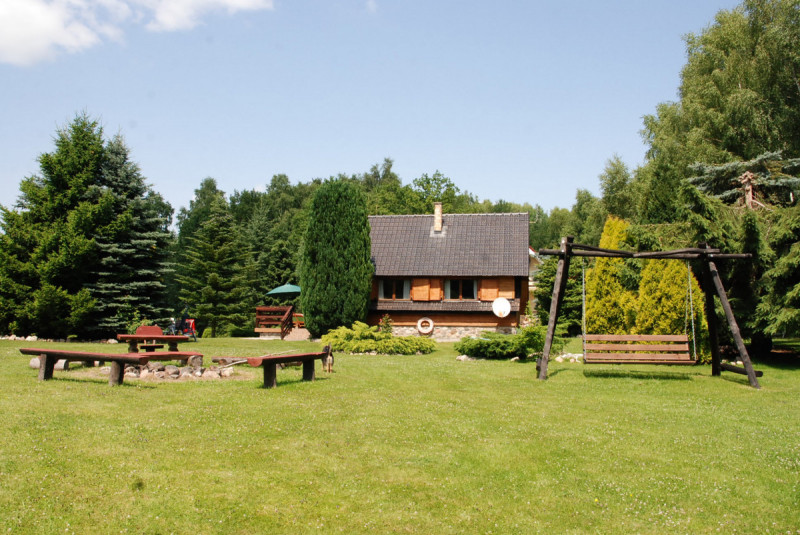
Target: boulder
x=34 y=363
x=210 y=374
x=155 y=366
x=62 y=365
x=226 y=372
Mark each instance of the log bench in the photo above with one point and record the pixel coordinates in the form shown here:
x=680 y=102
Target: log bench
x=270 y=364
x=672 y=349
x=49 y=357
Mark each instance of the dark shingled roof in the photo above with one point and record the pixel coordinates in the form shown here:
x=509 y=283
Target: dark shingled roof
x=470 y=245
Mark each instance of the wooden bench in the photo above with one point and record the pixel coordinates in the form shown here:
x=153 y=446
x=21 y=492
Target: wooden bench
x=637 y=349
x=270 y=364
x=49 y=357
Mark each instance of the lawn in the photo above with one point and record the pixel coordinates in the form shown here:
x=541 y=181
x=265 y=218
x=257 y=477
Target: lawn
x=390 y=444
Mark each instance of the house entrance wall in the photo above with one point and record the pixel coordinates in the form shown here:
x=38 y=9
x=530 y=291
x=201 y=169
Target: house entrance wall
x=445 y=333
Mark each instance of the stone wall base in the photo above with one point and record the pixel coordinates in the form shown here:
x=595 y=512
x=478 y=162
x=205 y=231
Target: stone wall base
x=445 y=333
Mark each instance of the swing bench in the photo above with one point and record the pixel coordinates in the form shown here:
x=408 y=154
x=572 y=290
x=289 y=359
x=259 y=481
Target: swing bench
x=668 y=349
x=637 y=349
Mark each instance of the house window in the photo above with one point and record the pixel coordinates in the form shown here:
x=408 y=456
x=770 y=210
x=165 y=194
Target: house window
x=395 y=289
x=461 y=289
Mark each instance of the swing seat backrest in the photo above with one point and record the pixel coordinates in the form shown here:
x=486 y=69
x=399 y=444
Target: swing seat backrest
x=637 y=349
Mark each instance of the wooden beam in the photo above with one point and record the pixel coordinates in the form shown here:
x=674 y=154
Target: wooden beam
x=738 y=369
x=559 y=286
x=734 y=327
x=711 y=320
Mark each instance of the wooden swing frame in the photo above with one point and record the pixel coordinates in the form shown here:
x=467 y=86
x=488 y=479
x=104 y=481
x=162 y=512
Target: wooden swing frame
x=711 y=278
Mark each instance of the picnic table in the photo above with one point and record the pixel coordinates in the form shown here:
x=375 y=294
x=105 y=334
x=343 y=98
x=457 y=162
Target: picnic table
x=150 y=342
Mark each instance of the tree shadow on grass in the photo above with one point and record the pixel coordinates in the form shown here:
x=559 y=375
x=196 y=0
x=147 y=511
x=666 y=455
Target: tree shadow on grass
x=290 y=381
x=784 y=359
x=640 y=374
x=98 y=380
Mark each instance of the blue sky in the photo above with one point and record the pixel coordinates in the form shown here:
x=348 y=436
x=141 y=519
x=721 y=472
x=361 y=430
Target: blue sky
x=517 y=100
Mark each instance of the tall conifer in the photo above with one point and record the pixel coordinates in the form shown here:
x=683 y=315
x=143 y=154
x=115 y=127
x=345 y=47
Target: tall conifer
x=335 y=270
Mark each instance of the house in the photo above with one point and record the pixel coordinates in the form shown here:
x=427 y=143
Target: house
x=442 y=274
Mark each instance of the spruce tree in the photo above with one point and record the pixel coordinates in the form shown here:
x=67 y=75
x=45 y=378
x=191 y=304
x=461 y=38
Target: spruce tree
x=335 y=269
x=213 y=276
x=133 y=247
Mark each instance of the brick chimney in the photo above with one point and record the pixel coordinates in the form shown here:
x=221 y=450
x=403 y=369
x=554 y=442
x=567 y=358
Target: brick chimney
x=437 y=217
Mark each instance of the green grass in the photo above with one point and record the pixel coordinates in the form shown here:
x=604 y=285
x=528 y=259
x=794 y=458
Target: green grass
x=390 y=444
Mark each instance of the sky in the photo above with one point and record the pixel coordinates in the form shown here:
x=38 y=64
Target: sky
x=516 y=100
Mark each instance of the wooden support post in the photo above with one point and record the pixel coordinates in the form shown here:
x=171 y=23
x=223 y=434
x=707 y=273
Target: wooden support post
x=270 y=373
x=711 y=319
x=737 y=336
x=559 y=286
x=47 y=364
x=117 y=375
x=308 y=370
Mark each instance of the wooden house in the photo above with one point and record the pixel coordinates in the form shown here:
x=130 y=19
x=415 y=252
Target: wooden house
x=450 y=275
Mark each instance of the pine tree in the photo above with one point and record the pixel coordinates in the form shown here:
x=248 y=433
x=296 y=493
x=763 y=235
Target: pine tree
x=335 y=270
x=214 y=275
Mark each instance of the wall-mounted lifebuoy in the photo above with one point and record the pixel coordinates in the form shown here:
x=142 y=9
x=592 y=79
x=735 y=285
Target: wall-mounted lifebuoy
x=425 y=326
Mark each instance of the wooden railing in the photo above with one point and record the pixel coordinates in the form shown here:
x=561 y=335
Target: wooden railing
x=274 y=320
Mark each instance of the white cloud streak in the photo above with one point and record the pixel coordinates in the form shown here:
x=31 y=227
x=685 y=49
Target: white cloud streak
x=32 y=31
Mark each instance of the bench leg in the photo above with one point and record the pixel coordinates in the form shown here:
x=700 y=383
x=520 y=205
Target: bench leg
x=308 y=370
x=270 y=369
x=46 y=366
x=117 y=375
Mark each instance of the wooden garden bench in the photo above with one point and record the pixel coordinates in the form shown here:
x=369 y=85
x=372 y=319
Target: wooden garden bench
x=637 y=349
x=270 y=364
x=49 y=357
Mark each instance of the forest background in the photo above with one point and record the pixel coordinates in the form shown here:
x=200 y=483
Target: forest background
x=89 y=249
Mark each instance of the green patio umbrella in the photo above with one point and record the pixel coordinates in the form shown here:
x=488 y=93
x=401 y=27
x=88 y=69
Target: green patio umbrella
x=286 y=290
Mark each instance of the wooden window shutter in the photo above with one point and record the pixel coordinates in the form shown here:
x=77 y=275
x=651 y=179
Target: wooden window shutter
x=489 y=290
x=436 y=293
x=506 y=288
x=420 y=288
x=374 y=293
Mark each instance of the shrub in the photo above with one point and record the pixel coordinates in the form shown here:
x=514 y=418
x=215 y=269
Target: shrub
x=361 y=338
x=492 y=345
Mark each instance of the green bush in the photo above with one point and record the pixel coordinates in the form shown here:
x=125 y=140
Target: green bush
x=361 y=338
x=492 y=345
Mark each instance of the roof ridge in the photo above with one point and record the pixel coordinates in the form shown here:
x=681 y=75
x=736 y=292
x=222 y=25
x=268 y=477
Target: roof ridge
x=454 y=214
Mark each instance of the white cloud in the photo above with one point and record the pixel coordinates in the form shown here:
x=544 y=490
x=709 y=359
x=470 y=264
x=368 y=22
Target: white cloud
x=171 y=15
x=372 y=6
x=37 y=30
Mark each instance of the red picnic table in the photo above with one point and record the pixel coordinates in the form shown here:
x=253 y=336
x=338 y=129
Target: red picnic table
x=150 y=342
